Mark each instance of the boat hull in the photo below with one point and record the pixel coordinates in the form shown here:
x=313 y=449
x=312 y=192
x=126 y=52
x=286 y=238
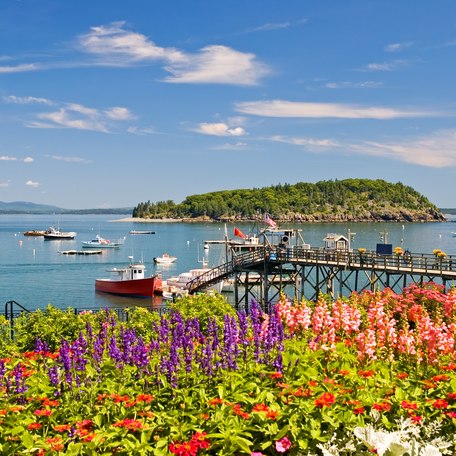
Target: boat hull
x=137 y=287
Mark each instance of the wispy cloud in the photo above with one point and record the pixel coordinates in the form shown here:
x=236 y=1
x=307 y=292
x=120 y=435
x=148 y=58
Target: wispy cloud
x=9 y=158
x=397 y=47
x=79 y=117
x=5 y=184
x=385 y=66
x=70 y=159
x=32 y=184
x=271 y=26
x=20 y=68
x=142 y=131
x=218 y=65
x=354 y=85
x=219 y=129
x=239 y=146
x=437 y=150
x=305 y=142
x=283 y=108
x=26 y=100
x=115 y=45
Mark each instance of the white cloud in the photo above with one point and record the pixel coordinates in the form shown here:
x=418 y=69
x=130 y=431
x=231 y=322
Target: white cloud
x=5 y=184
x=26 y=100
x=306 y=142
x=220 y=129
x=77 y=116
x=271 y=26
x=28 y=160
x=397 y=47
x=385 y=66
x=118 y=113
x=283 y=108
x=19 y=68
x=239 y=146
x=7 y=158
x=354 y=85
x=437 y=150
x=70 y=159
x=115 y=45
x=218 y=65
x=142 y=131
x=32 y=184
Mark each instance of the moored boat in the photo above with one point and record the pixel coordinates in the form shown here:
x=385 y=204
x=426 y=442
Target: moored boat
x=54 y=233
x=100 y=243
x=129 y=281
x=165 y=259
x=35 y=233
x=142 y=232
x=183 y=280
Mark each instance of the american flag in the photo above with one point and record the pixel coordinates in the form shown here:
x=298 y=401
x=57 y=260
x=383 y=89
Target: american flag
x=269 y=221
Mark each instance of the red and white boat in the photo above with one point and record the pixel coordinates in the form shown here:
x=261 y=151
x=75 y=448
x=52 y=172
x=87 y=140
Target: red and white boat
x=129 y=281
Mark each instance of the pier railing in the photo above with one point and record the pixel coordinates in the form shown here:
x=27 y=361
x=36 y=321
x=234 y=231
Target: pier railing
x=413 y=263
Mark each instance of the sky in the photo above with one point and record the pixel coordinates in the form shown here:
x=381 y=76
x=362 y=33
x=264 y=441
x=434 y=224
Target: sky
x=108 y=103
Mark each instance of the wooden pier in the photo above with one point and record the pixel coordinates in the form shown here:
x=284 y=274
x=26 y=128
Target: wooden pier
x=305 y=272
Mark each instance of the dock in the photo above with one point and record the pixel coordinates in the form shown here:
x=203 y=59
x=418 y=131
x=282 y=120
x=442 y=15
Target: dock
x=81 y=252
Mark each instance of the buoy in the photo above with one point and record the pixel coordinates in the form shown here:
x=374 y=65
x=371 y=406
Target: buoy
x=20 y=243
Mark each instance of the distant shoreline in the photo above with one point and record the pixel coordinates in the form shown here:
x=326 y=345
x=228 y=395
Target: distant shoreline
x=143 y=220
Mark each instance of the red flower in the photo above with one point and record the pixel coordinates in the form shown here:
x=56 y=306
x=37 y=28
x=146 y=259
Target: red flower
x=55 y=443
x=409 y=405
x=42 y=412
x=325 y=400
x=62 y=427
x=366 y=374
x=130 y=424
x=33 y=426
x=402 y=375
x=183 y=449
x=416 y=419
x=359 y=411
x=382 y=407
x=440 y=404
x=199 y=439
x=440 y=378
x=451 y=396
x=147 y=398
x=238 y=411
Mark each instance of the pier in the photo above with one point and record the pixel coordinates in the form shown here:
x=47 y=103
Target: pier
x=301 y=271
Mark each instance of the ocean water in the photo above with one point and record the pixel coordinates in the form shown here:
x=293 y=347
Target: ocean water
x=34 y=273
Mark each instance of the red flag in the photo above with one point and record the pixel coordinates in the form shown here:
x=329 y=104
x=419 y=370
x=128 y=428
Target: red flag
x=269 y=221
x=239 y=233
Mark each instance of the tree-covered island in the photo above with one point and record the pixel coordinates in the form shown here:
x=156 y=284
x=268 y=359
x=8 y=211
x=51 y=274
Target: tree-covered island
x=354 y=200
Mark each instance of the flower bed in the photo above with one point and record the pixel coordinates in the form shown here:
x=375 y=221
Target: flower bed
x=372 y=373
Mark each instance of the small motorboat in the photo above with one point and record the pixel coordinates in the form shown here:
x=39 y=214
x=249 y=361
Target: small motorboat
x=55 y=234
x=100 y=243
x=142 y=232
x=165 y=259
x=129 y=281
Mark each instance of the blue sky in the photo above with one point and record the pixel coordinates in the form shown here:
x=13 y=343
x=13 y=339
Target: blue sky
x=107 y=103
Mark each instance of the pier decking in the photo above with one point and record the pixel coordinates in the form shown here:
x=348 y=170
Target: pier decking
x=315 y=270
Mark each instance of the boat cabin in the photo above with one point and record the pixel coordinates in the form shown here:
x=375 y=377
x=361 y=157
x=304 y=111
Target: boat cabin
x=132 y=272
x=335 y=241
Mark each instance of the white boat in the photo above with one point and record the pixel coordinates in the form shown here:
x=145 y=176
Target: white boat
x=55 y=233
x=142 y=232
x=182 y=281
x=172 y=293
x=100 y=243
x=165 y=259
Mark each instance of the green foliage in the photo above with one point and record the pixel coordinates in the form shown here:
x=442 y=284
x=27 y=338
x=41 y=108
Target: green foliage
x=204 y=306
x=50 y=325
x=365 y=199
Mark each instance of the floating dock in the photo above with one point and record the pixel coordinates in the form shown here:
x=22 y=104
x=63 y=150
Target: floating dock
x=81 y=252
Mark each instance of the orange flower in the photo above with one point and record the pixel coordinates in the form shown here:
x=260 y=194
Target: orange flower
x=62 y=427
x=42 y=412
x=325 y=400
x=55 y=443
x=34 y=426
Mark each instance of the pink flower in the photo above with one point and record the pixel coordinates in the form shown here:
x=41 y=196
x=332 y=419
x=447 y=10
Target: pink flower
x=283 y=444
x=256 y=453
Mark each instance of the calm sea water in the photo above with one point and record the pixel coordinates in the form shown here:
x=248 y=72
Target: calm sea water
x=34 y=273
